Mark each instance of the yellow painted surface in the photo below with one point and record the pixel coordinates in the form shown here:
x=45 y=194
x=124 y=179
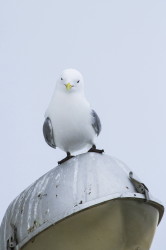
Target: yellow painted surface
x=114 y=225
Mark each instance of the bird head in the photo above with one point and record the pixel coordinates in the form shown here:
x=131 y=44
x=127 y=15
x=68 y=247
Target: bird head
x=71 y=81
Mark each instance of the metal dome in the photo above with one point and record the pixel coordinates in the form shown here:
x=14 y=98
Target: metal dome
x=90 y=183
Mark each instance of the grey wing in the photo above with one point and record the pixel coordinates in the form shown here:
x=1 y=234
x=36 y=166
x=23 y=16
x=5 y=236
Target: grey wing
x=48 y=133
x=96 y=124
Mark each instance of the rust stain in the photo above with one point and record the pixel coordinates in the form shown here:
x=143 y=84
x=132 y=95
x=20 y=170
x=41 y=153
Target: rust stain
x=35 y=225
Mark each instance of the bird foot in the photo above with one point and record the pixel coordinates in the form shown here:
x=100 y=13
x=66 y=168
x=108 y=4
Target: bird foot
x=94 y=149
x=68 y=157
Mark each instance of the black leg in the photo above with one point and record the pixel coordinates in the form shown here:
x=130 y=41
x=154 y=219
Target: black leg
x=94 y=149
x=69 y=156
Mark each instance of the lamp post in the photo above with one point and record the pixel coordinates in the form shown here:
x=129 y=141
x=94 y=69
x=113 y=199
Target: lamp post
x=92 y=201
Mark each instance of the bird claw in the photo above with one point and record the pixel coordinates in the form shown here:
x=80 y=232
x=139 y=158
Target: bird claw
x=68 y=157
x=95 y=150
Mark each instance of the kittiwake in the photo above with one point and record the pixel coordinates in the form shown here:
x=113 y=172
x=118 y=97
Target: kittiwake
x=70 y=123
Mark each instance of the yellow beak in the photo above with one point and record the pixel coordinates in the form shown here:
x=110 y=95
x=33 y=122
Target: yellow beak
x=68 y=86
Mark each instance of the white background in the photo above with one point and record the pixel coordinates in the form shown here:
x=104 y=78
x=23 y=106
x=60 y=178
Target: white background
x=120 y=48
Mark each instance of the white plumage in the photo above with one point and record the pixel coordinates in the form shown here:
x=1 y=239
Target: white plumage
x=72 y=123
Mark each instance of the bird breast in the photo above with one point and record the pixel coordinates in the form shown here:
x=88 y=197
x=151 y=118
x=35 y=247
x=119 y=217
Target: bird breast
x=71 y=121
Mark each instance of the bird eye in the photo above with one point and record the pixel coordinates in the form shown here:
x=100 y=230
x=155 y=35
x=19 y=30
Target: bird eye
x=61 y=78
x=78 y=81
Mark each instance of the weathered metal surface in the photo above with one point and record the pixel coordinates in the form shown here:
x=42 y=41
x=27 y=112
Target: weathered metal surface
x=82 y=182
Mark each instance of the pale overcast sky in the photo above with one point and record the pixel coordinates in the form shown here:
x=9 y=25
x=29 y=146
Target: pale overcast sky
x=120 y=48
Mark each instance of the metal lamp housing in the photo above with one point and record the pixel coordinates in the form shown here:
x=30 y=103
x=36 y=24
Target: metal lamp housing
x=92 y=201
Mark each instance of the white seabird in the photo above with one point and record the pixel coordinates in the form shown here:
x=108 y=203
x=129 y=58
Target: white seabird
x=70 y=122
